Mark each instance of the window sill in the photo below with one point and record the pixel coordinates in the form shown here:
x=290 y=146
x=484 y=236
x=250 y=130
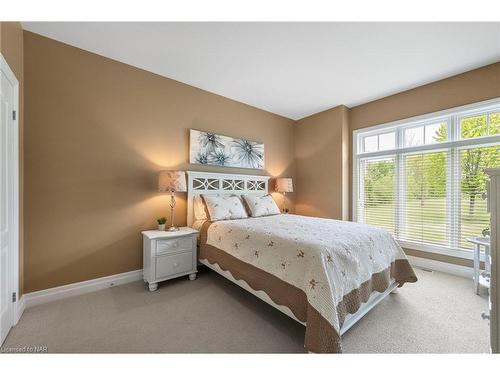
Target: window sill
x=457 y=253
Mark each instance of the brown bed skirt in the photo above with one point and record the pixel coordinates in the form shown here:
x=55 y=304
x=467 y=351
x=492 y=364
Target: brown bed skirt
x=320 y=336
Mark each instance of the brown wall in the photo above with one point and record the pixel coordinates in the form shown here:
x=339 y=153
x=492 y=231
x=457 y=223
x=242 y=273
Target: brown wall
x=470 y=87
x=11 y=47
x=321 y=157
x=97 y=132
x=322 y=141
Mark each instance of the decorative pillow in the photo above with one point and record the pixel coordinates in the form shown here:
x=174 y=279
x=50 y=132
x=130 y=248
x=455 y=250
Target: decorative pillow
x=224 y=207
x=200 y=210
x=261 y=205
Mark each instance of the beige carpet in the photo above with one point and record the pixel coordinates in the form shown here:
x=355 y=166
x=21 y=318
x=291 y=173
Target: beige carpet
x=439 y=314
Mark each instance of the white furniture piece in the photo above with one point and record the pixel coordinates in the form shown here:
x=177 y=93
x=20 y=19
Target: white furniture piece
x=481 y=278
x=494 y=208
x=167 y=255
x=224 y=183
x=209 y=183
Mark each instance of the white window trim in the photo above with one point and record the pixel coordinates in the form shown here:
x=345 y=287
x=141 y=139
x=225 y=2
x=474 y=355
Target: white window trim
x=454 y=141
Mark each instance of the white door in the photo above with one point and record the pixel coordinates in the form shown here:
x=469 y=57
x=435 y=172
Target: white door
x=8 y=198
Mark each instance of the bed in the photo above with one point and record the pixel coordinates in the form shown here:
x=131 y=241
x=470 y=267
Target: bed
x=326 y=274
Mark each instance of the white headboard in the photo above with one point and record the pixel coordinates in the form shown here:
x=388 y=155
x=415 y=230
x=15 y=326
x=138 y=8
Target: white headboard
x=222 y=183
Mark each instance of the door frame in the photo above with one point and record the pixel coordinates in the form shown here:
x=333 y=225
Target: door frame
x=14 y=196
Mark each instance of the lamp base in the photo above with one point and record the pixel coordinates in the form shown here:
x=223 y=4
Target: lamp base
x=173 y=229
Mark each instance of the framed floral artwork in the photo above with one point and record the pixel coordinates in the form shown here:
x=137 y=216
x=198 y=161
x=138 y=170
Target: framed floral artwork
x=215 y=149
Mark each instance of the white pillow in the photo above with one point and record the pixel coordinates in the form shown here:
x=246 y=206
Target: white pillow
x=224 y=207
x=261 y=205
x=200 y=212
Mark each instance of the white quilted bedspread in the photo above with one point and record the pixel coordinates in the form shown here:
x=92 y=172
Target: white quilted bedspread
x=325 y=258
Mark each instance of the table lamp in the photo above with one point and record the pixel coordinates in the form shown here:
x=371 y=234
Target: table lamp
x=172 y=182
x=284 y=185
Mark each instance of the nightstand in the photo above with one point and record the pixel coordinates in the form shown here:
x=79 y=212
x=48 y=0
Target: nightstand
x=481 y=278
x=167 y=255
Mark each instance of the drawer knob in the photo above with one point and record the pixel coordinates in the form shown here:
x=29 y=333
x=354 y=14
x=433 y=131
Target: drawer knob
x=176 y=265
x=485 y=316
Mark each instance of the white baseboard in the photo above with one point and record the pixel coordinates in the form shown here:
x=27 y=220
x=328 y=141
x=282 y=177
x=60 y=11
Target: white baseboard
x=70 y=290
x=19 y=309
x=434 y=265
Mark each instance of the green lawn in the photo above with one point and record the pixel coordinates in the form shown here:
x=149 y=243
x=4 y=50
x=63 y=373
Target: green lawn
x=428 y=221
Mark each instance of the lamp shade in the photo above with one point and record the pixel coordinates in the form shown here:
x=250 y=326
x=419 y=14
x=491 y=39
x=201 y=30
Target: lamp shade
x=172 y=181
x=284 y=185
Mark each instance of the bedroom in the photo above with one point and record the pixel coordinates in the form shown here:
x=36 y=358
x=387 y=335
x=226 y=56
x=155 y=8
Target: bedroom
x=311 y=169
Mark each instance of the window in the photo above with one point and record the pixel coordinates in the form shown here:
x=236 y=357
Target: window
x=378 y=192
x=480 y=125
x=425 y=134
x=423 y=183
x=473 y=214
x=379 y=142
x=422 y=179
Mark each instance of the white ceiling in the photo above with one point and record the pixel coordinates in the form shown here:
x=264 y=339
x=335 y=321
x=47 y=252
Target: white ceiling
x=291 y=69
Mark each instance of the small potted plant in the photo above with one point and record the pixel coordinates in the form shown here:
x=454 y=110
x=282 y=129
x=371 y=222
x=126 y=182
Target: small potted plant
x=161 y=223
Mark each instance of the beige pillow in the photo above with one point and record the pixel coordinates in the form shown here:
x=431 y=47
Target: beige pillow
x=224 y=207
x=261 y=205
x=200 y=210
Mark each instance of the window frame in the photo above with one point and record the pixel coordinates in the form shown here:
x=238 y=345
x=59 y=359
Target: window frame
x=453 y=144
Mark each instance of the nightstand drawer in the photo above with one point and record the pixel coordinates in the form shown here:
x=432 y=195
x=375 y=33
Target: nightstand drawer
x=174 y=245
x=167 y=265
